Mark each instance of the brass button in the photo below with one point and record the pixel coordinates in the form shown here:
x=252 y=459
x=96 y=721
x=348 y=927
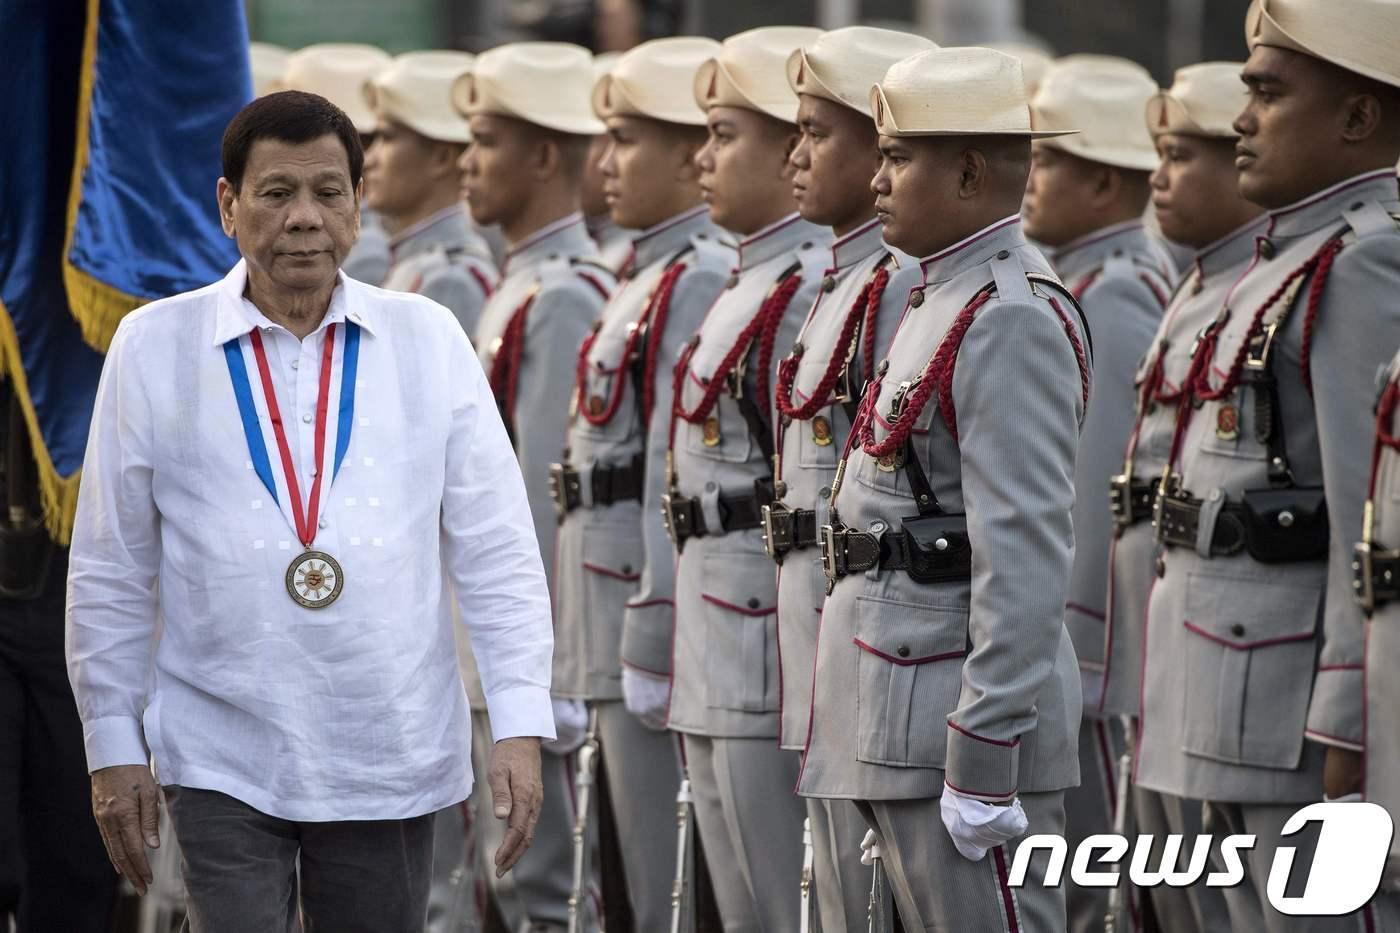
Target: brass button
x=828 y=283
x=1266 y=248
x=883 y=368
x=916 y=299
x=732 y=280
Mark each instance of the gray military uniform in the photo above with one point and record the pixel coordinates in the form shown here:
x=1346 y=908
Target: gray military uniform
x=554 y=270
x=725 y=668
x=444 y=257
x=1132 y=552
x=972 y=683
x=809 y=448
x=1118 y=277
x=368 y=259
x=614 y=242
x=1252 y=668
x=614 y=521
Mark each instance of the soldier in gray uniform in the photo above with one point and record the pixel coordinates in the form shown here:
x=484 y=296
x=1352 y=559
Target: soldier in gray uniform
x=848 y=328
x=530 y=118
x=414 y=183
x=614 y=241
x=1195 y=195
x=946 y=696
x=1253 y=699
x=614 y=567
x=1084 y=201
x=725 y=665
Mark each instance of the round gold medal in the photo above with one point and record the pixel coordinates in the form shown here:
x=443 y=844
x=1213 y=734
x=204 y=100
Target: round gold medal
x=314 y=579
x=821 y=431
x=709 y=432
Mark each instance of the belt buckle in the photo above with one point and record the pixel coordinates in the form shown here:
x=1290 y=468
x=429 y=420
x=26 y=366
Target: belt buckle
x=1264 y=343
x=678 y=514
x=833 y=555
x=1165 y=488
x=1364 y=585
x=1120 y=501
x=778 y=530
x=559 y=489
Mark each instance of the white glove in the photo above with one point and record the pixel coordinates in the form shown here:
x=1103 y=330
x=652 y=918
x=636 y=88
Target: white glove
x=869 y=848
x=570 y=727
x=976 y=826
x=647 y=697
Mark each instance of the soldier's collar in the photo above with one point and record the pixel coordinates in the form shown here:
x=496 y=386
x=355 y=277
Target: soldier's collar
x=974 y=250
x=234 y=318
x=1087 y=253
x=661 y=240
x=567 y=236
x=1325 y=207
x=448 y=225
x=777 y=239
x=1230 y=250
x=861 y=243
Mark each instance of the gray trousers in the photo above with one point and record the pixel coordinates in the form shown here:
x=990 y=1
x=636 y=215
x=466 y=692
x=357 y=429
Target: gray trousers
x=240 y=869
x=535 y=894
x=751 y=827
x=1192 y=909
x=644 y=774
x=936 y=889
x=452 y=897
x=1089 y=809
x=842 y=882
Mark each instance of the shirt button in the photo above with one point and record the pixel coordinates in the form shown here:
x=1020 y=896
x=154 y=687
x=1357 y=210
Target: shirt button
x=296 y=363
x=306 y=419
x=321 y=523
x=753 y=602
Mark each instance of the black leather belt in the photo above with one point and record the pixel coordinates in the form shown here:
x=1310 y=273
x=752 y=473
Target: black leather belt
x=1131 y=500
x=608 y=484
x=945 y=558
x=1178 y=520
x=786 y=530
x=1377 y=576
x=685 y=518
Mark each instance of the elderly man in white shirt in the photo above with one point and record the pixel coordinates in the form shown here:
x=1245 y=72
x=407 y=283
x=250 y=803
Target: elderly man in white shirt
x=286 y=471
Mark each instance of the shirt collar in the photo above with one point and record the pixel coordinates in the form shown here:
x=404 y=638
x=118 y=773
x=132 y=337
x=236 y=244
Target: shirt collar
x=860 y=243
x=1230 y=250
x=1324 y=207
x=1088 y=252
x=235 y=317
x=974 y=250
x=567 y=236
x=448 y=226
x=659 y=240
x=776 y=239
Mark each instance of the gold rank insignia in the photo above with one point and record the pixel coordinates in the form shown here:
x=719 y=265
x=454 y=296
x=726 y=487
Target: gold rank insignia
x=821 y=431
x=1227 y=422
x=709 y=432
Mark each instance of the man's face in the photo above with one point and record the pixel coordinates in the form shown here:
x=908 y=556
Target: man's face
x=917 y=183
x=1195 y=189
x=591 y=193
x=401 y=167
x=1291 y=124
x=495 y=184
x=834 y=161
x=1058 y=191
x=642 y=163
x=741 y=165
x=296 y=215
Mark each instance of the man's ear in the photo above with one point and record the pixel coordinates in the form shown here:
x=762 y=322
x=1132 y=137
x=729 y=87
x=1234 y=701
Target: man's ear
x=545 y=157
x=1363 y=117
x=972 y=177
x=226 y=196
x=1107 y=183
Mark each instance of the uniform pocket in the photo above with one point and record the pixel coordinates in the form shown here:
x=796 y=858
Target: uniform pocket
x=908 y=679
x=1250 y=656
x=612 y=568
x=741 y=633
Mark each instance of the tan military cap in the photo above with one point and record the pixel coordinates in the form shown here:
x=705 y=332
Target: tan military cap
x=1034 y=62
x=268 y=63
x=750 y=71
x=544 y=83
x=1104 y=98
x=416 y=90
x=954 y=92
x=655 y=80
x=1358 y=35
x=338 y=72
x=844 y=64
x=1203 y=100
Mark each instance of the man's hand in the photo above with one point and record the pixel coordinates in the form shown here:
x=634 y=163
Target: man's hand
x=1341 y=772
x=126 y=802
x=516 y=794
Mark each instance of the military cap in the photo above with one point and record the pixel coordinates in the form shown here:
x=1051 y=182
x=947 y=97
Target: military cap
x=750 y=72
x=544 y=83
x=1358 y=35
x=1034 y=62
x=654 y=80
x=844 y=64
x=416 y=90
x=1104 y=98
x=338 y=72
x=269 y=64
x=1203 y=100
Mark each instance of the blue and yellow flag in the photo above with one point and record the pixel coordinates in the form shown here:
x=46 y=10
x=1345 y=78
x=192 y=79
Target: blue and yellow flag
x=106 y=192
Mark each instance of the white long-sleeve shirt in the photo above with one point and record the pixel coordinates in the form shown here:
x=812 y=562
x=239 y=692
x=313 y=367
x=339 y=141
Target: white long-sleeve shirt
x=182 y=639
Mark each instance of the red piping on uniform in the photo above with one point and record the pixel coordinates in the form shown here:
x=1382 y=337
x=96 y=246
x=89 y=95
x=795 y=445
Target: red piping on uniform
x=591 y=280
x=1341 y=667
x=644 y=670
x=607 y=572
x=1008 y=898
x=1008 y=795
x=1248 y=645
x=1085 y=610
x=482 y=282
x=742 y=610
x=1002 y=743
x=909 y=662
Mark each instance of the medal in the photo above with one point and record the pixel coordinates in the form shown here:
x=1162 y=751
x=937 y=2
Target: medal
x=1227 y=422
x=709 y=432
x=821 y=431
x=314 y=579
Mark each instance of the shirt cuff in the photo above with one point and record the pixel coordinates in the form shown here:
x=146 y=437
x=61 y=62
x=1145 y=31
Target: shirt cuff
x=1335 y=712
x=115 y=740
x=982 y=768
x=521 y=711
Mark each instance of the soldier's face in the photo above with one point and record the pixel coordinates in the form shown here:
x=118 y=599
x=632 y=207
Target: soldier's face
x=1059 y=190
x=744 y=173
x=296 y=214
x=591 y=193
x=495 y=168
x=1195 y=189
x=648 y=171
x=404 y=168
x=834 y=161
x=915 y=185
